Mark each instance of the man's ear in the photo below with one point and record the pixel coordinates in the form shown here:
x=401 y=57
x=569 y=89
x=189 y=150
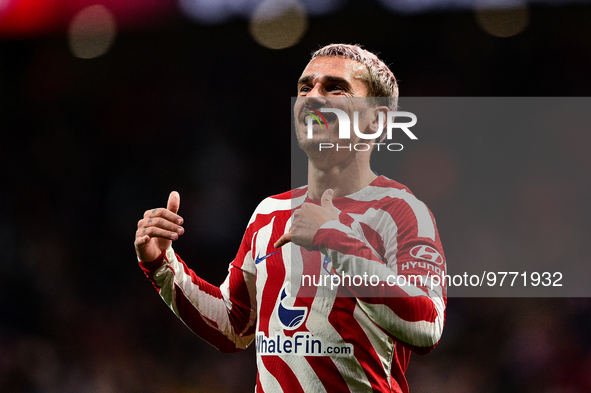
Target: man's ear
x=375 y=122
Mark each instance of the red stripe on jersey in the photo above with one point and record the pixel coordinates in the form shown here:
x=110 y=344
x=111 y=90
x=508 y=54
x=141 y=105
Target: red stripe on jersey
x=275 y=280
x=400 y=211
x=328 y=373
x=374 y=239
x=149 y=268
x=296 y=193
x=350 y=330
x=243 y=249
x=239 y=296
x=339 y=241
x=283 y=374
x=193 y=319
x=312 y=266
x=381 y=293
x=203 y=285
x=381 y=181
x=346 y=219
x=401 y=358
x=411 y=309
x=274 y=264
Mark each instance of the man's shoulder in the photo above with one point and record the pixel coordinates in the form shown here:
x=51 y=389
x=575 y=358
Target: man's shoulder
x=291 y=194
x=384 y=190
x=280 y=203
x=400 y=201
x=392 y=185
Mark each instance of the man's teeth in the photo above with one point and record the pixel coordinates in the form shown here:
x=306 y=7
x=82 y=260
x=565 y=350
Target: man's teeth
x=309 y=118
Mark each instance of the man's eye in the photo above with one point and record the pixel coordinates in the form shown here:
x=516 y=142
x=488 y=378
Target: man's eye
x=304 y=89
x=335 y=88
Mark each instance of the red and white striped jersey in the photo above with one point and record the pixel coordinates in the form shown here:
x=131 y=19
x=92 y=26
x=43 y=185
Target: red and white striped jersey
x=343 y=318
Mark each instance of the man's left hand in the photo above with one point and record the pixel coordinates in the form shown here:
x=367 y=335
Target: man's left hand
x=307 y=220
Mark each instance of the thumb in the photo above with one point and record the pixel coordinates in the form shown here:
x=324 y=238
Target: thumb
x=174 y=202
x=326 y=199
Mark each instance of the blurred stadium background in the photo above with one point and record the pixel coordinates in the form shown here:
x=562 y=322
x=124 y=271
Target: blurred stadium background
x=104 y=108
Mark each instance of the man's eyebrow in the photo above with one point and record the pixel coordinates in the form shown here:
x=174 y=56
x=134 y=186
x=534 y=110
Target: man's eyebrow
x=329 y=78
x=304 y=79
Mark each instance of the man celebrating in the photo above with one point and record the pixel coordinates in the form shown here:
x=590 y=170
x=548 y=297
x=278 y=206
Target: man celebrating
x=369 y=249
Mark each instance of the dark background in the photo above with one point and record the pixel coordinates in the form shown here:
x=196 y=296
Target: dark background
x=89 y=144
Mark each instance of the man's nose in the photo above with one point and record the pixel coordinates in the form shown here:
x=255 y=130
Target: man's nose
x=316 y=95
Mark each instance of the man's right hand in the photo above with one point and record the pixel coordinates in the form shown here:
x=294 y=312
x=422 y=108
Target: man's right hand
x=158 y=228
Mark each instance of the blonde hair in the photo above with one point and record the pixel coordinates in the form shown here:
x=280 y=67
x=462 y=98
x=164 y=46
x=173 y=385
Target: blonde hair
x=379 y=79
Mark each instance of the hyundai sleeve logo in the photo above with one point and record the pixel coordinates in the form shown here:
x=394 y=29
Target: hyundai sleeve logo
x=427 y=253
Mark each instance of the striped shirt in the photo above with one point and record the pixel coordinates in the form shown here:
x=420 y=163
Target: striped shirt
x=342 y=317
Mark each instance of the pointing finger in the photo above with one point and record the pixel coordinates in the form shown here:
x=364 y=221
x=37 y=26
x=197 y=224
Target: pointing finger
x=283 y=240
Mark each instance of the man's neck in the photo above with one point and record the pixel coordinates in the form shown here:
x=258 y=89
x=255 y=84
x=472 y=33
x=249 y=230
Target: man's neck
x=344 y=179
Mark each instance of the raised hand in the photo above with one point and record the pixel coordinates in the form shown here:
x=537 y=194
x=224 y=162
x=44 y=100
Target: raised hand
x=158 y=228
x=307 y=220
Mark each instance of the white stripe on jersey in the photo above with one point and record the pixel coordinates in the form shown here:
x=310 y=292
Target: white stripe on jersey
x=202 y=301
x=317 y=322
x=384 y=346
x=262 y=238
x=424 y=221
x=383 y=223
x=272 y=205
x=309 y=384
x=419 y=333
x=225 y=289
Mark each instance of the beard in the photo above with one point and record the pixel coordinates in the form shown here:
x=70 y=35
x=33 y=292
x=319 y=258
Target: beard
x=319 y=136
x=313 y=145
x=329 y=155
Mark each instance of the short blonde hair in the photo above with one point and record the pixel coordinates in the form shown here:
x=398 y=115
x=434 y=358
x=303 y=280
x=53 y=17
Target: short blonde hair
x=379 y=79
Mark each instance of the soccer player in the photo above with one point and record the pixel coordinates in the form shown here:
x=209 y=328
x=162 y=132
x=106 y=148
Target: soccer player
x=375 y=242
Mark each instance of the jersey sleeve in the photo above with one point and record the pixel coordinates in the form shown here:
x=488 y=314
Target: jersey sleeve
x=224 y=316
x=396 y=254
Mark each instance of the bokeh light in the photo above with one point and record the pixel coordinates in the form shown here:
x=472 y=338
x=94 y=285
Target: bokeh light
x=205 y=11
x=92 y=32
x=502 y=19
x=315 y=7
x=278 y=24
x=4 y=4
x=414 y=6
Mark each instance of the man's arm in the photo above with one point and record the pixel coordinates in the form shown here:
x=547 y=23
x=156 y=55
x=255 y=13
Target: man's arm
x=223 y=316
x=412 y=313
x=405 y=301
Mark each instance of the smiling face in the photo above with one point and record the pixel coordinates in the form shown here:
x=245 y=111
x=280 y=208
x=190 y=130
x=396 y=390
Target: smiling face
x=330 y=82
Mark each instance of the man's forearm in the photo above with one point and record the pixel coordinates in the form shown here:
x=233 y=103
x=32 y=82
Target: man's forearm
x=201 y=305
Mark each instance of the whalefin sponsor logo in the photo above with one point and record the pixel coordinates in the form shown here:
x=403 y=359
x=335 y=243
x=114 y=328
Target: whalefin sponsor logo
x=290 y=317
x=301 y=344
